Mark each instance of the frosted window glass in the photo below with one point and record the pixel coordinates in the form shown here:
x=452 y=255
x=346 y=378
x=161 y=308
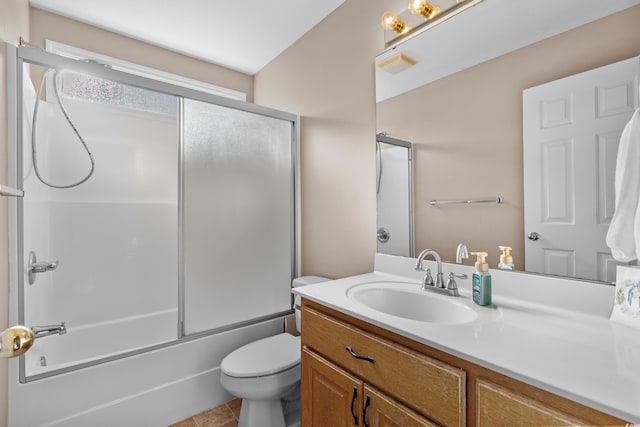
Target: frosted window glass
x=89 y=88
x=238 y=215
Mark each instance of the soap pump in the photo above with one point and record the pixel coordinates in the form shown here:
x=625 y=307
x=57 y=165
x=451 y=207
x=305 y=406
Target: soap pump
x=481 y=280
x=506 y=260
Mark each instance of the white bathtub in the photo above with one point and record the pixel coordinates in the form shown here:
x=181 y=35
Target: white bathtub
x=155 y=388
x=89 y=343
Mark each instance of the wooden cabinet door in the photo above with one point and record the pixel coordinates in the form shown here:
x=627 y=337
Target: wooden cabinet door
x=382 y=411
x=329 y=395
x=431 y=387
x=498 y=406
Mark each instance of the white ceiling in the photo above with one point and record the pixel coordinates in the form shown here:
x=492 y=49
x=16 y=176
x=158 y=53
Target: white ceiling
x=244 y=35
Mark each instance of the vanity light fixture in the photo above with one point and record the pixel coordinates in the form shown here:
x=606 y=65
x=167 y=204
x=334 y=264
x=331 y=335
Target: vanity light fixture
x=421 y=7
x=404 y=25
x=390 y=21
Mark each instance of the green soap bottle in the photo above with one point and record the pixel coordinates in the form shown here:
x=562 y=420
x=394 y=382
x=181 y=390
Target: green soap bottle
x=481 y=280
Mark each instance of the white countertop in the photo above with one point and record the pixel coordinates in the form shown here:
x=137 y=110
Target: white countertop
x=552 y=333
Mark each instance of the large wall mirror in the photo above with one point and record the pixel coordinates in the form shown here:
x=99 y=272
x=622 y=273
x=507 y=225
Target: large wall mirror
x=461 y=107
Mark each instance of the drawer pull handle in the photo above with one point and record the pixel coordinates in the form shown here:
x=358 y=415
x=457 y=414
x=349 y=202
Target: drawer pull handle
x=353 y=401
x=364 y=413
x=357 y=356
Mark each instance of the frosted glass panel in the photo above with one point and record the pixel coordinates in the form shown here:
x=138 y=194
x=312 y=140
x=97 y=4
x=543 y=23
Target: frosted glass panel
x=238 y=215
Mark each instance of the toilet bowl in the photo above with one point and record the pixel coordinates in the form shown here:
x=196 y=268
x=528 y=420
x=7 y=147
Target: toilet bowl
x=266 y=375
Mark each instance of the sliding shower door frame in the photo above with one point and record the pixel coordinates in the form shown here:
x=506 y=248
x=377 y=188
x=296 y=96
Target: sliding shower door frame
x=17 y=56
x=382 y=138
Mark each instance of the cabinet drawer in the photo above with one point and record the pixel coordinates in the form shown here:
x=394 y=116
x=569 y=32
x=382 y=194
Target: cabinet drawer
x=428 y=386
x=498 y=406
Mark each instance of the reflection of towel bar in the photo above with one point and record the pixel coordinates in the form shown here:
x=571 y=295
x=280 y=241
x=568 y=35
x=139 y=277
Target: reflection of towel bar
x=499 y=200
x=8 y=191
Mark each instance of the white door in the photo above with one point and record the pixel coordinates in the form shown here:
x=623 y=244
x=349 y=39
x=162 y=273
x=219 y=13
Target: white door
x=572 y=128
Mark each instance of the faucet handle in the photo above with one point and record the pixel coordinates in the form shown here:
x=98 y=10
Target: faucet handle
x=452 y=286
x=428 y=279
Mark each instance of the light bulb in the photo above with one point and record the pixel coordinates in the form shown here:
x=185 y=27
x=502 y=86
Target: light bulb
x=390 y=21
x=421 y=7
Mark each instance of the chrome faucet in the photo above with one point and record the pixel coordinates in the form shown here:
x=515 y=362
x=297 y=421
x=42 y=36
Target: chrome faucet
x=428 y=280
x=461 y=252
x=44 y=331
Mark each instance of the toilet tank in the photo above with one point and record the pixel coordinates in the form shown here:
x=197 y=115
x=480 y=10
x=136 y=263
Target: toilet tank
x=304 y=281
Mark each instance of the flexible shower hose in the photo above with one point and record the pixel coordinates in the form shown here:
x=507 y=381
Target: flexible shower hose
x=34 y=154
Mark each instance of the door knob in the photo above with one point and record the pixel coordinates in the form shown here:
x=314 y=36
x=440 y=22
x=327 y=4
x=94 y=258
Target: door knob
x=533 y=236
x=15 y=340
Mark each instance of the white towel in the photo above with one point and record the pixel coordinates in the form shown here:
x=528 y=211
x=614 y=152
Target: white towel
x=623 y=236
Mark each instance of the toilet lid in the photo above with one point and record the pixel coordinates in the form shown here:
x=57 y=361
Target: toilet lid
x=267 y=356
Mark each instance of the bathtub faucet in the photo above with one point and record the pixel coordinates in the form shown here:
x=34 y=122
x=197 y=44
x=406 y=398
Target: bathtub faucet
x=44 y=331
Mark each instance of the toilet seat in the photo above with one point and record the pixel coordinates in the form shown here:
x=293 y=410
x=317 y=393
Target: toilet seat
x=264 y=357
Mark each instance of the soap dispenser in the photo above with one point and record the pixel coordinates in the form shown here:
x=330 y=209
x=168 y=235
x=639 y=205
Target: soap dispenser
x=506 y=260
x=481 y=280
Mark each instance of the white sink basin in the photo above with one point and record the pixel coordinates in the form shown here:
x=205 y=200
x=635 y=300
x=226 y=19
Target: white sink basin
x=408 y=301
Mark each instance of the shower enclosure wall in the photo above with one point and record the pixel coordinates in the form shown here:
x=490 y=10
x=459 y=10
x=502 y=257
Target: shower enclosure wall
x=394 y=196
x=179 y=247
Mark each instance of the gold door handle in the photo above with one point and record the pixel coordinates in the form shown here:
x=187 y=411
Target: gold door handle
x=15 y=341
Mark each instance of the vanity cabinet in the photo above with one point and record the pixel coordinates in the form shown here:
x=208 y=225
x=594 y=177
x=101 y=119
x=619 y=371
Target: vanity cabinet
x=396 y=375
x=357 y=374
x=333 y=397
x=499 y=406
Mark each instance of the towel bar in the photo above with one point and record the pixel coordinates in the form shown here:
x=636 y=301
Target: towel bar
x=499 y=200
x=9 y=191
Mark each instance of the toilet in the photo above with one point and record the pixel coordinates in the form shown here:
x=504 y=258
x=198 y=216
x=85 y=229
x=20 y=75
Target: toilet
x=266 y=375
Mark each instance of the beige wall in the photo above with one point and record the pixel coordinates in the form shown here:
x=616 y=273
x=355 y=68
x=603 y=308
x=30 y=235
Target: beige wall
x=45 y=25
x=468 y=131
x=328 y=78
x=14 y=22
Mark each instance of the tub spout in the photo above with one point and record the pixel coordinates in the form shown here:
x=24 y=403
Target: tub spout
x=44 y=331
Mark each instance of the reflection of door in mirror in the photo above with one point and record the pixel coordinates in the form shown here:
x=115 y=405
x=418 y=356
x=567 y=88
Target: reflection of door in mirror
x=394 y=196
x=571 y=130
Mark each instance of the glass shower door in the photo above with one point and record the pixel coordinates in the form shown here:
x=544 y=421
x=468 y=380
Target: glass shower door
x=184 y=225
x=238 y=216
x=114 y=236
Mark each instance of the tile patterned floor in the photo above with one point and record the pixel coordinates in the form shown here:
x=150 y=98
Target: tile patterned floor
x=225 y=415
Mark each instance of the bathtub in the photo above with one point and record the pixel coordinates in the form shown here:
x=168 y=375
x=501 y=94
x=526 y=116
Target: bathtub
x=154 y=388
x=85 y=345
